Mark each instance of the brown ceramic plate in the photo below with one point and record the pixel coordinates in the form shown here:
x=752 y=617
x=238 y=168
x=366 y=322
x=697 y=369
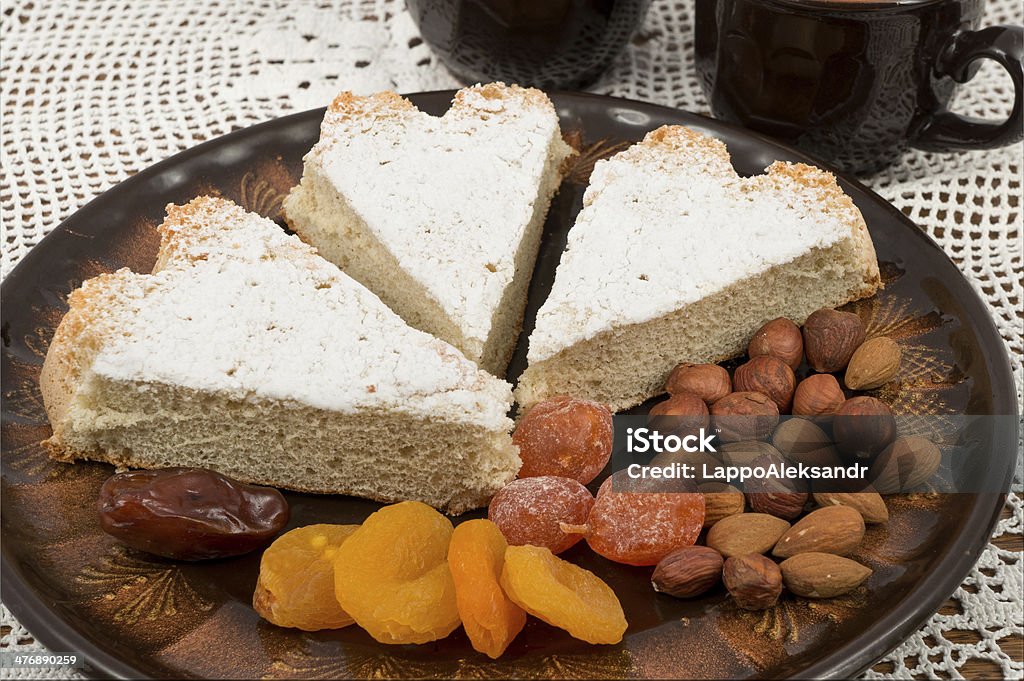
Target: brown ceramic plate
x=133 y=615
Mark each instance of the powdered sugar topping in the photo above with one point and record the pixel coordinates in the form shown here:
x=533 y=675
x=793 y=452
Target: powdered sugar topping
x=450 y=197
x=241 y=307
x=667 y=224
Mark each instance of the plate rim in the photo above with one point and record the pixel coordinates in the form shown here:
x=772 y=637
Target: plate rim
x=850 y=659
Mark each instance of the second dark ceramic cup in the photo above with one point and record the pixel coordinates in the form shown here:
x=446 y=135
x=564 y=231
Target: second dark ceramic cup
x=854 y=82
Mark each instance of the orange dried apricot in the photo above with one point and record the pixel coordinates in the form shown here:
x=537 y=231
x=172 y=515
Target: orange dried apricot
x=392 y=575
x=639 y=522
x=531 y=510
x=296 y=583
x=476 y=555
x=562 y=594
x=565 y=436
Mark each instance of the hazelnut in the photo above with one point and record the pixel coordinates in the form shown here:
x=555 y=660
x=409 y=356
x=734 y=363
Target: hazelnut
x=682 y=413
x=744 y=452
x=875 y=363
x=744 y=416
x=863 y=426
x=769 y=376
x=801 y=441
x=869 y=504
x=754 y=582
x=830 y=339
x=701 y=461
x=817 y=395
x=782 y=498
x=709 y=382
x=778 y=338
x=906 y=463
x=688 y=572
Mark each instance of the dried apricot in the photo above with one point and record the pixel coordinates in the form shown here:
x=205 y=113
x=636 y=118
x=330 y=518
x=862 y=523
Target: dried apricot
x=392 y=575
x=296 y=583
x=476 y=556
x=565 y=436
x=530 y=511
x=641 y=521
x=562 y=594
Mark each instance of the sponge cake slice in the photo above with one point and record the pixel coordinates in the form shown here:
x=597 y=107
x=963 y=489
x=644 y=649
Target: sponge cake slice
x=676 y=258
x=439 y=216
x=246 y=352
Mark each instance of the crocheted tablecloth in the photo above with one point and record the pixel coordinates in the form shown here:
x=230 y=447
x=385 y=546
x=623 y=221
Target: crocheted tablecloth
x=93 y=92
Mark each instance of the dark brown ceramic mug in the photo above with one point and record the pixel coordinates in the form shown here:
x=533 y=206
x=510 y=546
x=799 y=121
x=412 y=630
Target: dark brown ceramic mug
x=551 y=44
x=854 y=81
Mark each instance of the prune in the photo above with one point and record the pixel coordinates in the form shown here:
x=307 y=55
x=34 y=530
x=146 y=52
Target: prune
x=296 y=583
x=476 y=556
x=190 y=513
x=566 y=437
x=392 y=575
x=562 y=594
x=531 y=510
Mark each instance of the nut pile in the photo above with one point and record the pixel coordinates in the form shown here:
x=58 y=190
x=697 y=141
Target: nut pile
x=812 y=552
x=747 y=529
x=836 y=425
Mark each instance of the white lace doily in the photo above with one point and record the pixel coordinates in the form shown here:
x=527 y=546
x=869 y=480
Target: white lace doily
x=95 y=91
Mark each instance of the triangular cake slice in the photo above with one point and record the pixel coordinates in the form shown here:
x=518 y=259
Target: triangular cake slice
x=676 y=258
x=439 y=216
x=246 y=352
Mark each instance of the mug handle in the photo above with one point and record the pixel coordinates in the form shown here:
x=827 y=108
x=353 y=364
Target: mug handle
x=947 y=131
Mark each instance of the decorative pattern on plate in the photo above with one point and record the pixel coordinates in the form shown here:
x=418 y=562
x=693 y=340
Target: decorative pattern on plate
x=315 y=660
x=27 y=461
x=141 y=589
x=927 y=371
x=24 y=401
x=263 y=191
x=582 y=164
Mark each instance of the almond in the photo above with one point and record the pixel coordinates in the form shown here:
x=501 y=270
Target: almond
x=720 y=500
x=822 y=575
x=906 y=463
x=875 y=363
x=688 y=572
x=870 y=505
x=743 y=533
x=832 y=529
